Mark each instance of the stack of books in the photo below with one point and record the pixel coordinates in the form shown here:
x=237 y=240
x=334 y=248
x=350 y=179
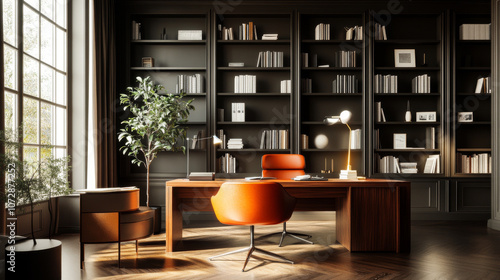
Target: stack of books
x=354 y=33
x=345 y=59
x=380 y=33
x=274 y=139
x=190 y=83
x=322 y=31
x=385 y=83
x=345 y=84
x=270 y=37
x=408 y=167
x=245 y=84
x=286 y=86
x=235 y=143
x=475 y=31
x=348 y=174
x=421 y=84
x=270 y=59
x=238 y=112
x=227 y=164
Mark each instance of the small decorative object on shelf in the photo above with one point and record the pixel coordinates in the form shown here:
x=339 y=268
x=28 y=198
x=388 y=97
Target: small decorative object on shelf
x=465 y=116
x=328 y=170
x=399 y=141
x=426 y=116
x=304 y=141
x=408 y=112
x=321 y=141
x=147 y=62
x=164 y=34
x=404 y=57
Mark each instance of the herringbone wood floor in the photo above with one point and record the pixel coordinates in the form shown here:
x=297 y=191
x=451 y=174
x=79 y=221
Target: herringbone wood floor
x=440 y=250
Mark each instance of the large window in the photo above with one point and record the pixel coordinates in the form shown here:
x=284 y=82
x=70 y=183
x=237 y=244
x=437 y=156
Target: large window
x=35 y=68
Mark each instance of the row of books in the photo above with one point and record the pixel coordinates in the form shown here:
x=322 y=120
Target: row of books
x=421 y=84
x=345 y=59
x=391 y=164
x=286 y=86
x=380 y=33
x=136 y=30
x=312 y=62
x=245 y=84
x=226 y=164
x=202 y=144
x=275 y=139
x=356 y=139
x=246 y=31
x=322 y=31
x=222 y=136
x=190 y=83
x=235 y=143
x=483 y=85
x=238 y=112
x=379 y=112
x=388 y=164
x=306 y=85
x=385 y=83
x=345 y=84
x=432 y=164
x=474 y=32
x=270 y=59
x=475 y=163
x=354 y=33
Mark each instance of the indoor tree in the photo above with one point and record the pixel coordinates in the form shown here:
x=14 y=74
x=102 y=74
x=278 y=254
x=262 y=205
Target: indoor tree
x=156 y=123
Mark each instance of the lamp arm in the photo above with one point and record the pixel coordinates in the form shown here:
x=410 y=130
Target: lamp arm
x=349 y=149
x=187 y=157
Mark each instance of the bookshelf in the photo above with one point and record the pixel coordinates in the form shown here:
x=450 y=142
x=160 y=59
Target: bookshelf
x=171 y=58
x=319 y=65
x=267 y=107
x=423 y=138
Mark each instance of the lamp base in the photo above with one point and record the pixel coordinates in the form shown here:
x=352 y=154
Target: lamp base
x=348 y=174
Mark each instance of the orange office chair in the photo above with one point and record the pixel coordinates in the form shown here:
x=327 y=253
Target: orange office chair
x=285 y=166
x=252 y=203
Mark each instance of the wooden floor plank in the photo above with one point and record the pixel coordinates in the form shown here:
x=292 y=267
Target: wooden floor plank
x=439 y=250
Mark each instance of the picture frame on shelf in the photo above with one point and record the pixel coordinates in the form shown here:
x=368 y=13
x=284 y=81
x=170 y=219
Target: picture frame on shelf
x=399 y=141
x=465 y=116
x=426 y=116
x=404 y=57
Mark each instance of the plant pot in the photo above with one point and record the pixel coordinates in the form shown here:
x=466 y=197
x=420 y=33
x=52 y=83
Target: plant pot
x=33 y=261
x=157 y=219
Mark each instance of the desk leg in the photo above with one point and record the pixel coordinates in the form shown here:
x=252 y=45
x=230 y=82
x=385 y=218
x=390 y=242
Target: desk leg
x=173 y=220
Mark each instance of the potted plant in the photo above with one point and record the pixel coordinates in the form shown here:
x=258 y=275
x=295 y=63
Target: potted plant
x=155 y=124
x=29 y=183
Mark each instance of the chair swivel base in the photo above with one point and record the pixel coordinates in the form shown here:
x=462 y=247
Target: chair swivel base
x=251 y=249
x=291 y=234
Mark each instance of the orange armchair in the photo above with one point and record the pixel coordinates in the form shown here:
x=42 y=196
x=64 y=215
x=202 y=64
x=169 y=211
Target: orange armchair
x=252 y=203
x=285 y=166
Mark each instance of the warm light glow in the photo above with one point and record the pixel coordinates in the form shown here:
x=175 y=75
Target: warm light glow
x=345 y=117
x=217 y=140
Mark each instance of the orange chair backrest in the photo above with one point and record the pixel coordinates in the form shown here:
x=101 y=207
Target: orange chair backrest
x=252 y=203
x=283 y=166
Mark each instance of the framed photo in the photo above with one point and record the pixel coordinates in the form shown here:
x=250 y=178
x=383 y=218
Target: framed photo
x=465 y=117
x=404 y=57
x=426 y=116
x=399 y=141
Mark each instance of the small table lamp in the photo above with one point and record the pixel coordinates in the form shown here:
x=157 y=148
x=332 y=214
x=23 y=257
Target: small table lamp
x=216 y=141
x=344 y=118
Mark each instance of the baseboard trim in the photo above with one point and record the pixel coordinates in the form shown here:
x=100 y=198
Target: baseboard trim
x=494 y=224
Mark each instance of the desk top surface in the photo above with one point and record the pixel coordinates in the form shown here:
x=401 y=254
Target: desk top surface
x=292 y=183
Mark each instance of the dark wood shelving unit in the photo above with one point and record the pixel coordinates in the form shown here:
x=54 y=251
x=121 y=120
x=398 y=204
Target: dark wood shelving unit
x=453 y=65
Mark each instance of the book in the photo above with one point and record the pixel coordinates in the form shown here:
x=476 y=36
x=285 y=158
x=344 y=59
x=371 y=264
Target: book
x=430 y=165
x=236 y=64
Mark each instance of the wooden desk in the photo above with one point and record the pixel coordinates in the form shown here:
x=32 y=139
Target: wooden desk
x=371 y=215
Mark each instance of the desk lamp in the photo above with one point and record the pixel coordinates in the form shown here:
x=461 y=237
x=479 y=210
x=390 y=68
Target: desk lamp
x=344 y=118
x=215 y=142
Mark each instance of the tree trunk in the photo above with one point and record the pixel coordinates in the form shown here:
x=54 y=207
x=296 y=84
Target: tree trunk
x=147 y=186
